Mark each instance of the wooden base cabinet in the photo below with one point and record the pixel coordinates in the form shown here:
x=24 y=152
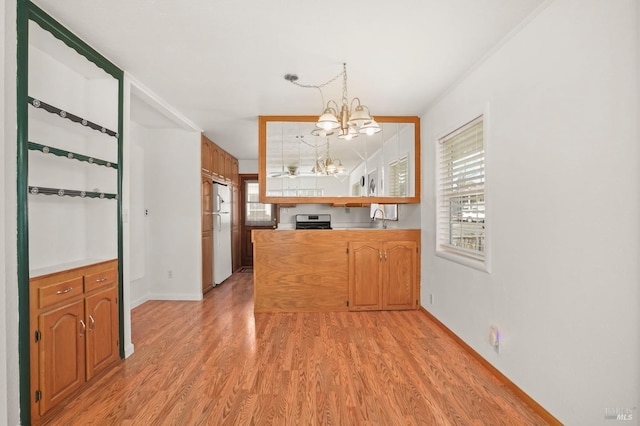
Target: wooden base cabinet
x=101 y=312
x=335 y=270
x=61 y=353
x=207 y=261
x=365 y=276
x=383 y=275
x=75 y=327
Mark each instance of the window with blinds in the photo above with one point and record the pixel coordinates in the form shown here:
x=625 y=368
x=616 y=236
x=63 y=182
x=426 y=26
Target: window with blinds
x=461 y=207
x=257 y=213
x=399 y=177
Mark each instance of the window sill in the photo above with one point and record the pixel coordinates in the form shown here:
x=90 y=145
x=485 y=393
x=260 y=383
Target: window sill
x=480 y=265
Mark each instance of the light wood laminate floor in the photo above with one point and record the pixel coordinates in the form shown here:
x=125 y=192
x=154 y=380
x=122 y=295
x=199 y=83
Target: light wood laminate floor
x=214 y=362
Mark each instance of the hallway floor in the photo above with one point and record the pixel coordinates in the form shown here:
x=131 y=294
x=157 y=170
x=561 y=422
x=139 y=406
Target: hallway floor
x=215 y=362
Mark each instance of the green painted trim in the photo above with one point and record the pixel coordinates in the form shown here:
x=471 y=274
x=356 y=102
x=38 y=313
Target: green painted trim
x=47 y=23
x=120 y=229
x=33 y=146
x=63 y=192
x=23 y=213
x=38 y=103
x=26 y=11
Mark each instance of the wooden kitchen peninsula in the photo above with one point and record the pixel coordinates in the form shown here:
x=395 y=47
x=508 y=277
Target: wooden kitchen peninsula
x=336 y=270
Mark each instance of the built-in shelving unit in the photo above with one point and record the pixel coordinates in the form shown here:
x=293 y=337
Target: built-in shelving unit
x=76 y=119
x=69 y=104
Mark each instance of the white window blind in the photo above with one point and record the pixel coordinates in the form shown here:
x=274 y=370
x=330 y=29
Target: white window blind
x=461 y=209
x=399 y=177
x=257 y=213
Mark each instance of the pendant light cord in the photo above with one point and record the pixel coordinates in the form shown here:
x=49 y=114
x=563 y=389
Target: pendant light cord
x=292 y=78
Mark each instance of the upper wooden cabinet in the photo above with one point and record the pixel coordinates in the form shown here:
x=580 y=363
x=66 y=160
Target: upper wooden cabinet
x=227 y=166
x=217 y=163
x=205 y=149
x=235 y=173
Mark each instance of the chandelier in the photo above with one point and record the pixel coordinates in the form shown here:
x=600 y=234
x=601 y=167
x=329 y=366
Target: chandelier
x=327 y=166
x=350 y=118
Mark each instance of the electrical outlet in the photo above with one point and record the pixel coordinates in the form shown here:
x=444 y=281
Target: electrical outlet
x=169 y=273
x=495 y=338
x=431 y=298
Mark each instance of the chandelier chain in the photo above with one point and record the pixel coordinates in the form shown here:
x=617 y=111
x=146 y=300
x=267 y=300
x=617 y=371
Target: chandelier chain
x=319 y=86
x=345 y=97
x=340 y=118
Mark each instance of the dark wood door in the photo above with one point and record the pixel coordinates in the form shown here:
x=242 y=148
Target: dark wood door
x=246 y=249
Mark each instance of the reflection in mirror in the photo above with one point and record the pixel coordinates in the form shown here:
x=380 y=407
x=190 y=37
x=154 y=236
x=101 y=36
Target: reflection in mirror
x=383 y=211
x=300 y=163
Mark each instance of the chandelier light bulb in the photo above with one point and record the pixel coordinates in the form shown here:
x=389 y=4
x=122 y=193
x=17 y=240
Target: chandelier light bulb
x=351 y=118
x=370 y=128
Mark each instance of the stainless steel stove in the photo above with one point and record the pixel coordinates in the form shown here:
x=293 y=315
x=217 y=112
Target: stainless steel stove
x=313 y=221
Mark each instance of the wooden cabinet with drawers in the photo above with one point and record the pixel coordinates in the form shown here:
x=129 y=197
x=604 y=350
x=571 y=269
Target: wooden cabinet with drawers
x=74 y=328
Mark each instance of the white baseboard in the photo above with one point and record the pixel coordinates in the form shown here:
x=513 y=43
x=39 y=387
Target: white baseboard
x=139 y=301
x=194 y=297
x=128 y=350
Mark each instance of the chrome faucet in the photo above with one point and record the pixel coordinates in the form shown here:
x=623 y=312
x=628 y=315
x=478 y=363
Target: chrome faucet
x=384 y=218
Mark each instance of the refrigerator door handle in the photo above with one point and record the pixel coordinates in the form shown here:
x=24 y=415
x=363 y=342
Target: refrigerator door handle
x=214 y=216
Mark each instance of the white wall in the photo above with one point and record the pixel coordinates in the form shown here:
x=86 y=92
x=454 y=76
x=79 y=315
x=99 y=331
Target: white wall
x=352 y=217
x=248 y=166
x=140 y=289
x=162 y=199
x=563 y=189
x=63 y=230
x=172 y=198
x=9 y=376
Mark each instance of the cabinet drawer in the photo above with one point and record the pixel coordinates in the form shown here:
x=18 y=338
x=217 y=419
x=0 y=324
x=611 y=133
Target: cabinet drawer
x=100 y=280
x=59 y=292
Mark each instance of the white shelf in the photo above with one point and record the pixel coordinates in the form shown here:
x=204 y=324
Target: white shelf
x=46 y=270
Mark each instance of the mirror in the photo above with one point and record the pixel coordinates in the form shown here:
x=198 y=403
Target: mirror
x=298 y=167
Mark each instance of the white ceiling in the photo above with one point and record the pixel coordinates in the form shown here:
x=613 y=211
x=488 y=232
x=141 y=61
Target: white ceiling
x=221 y=63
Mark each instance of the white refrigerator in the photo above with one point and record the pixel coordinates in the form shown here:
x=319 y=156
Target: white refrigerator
x=221 y=233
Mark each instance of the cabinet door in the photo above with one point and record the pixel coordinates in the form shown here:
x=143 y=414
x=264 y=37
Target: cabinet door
x=221 y=163
x=205 y=150
x=215 y=160
x=399 y=274
x=101 y=311
x=207 y=261
x=235 y=249
x=365 y=285
x=235 y=173
x=228 y=166
x=207 y=204
x=61 y=353
x=235 y=227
